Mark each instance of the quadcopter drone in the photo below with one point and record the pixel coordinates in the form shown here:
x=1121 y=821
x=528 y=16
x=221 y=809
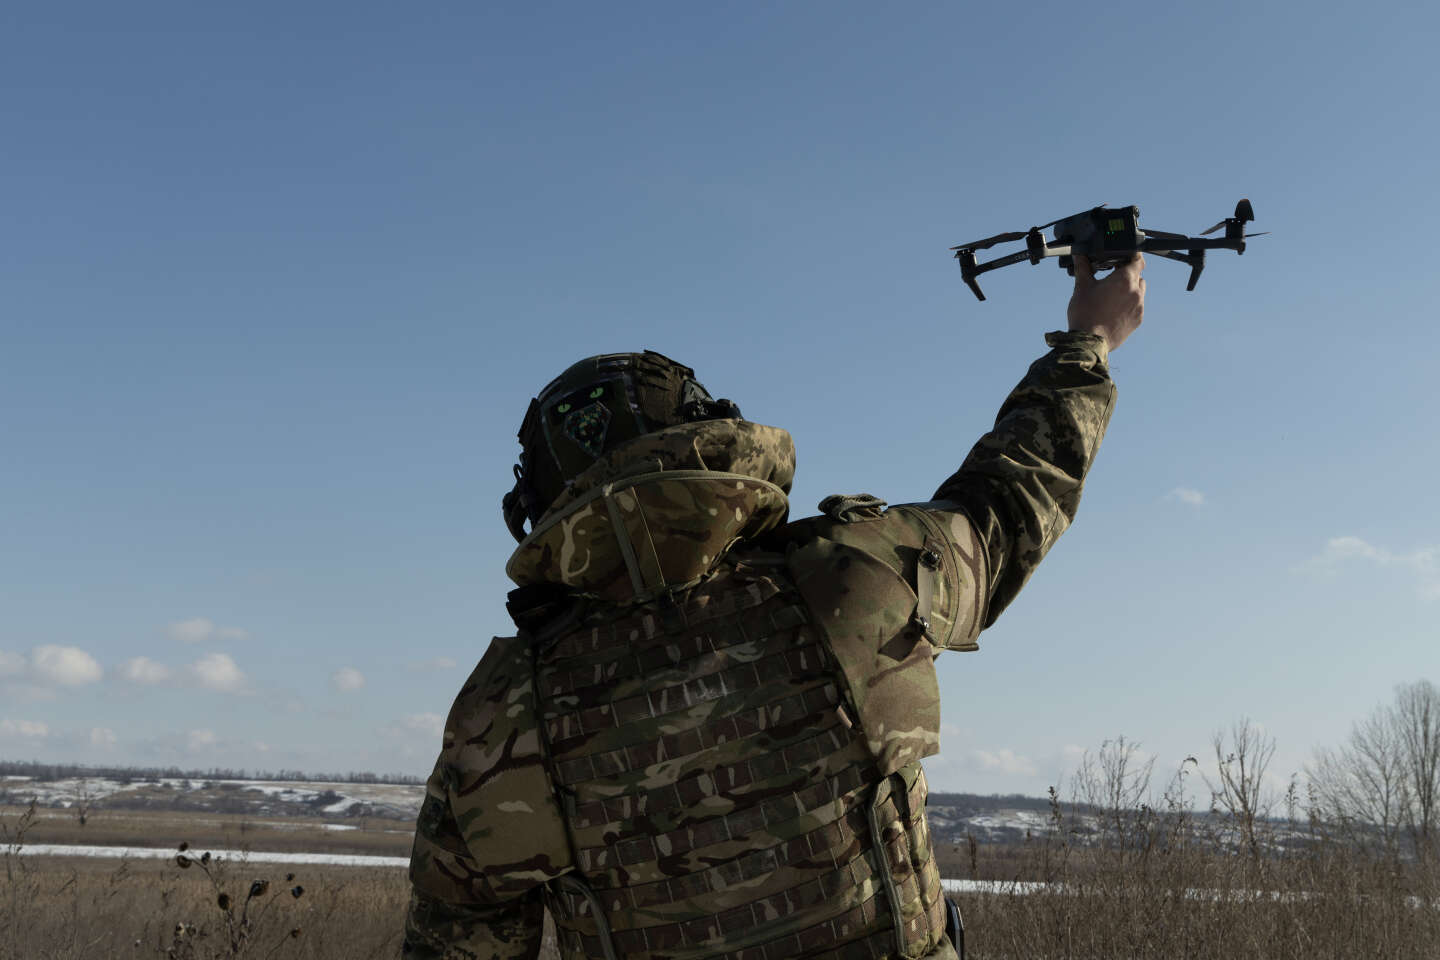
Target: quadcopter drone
x=1109 y=237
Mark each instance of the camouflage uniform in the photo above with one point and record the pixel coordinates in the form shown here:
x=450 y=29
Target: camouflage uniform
x=705 y=741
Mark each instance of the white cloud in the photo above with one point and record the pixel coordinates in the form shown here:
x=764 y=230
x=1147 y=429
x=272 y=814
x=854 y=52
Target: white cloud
x=1187 y=495
x=201 y=630
x=346 y=679
x=143 y=670
x=1005 y=761
x=434 y=663
x=28 y=729
x=63 y=666
x=191 y=631
x=1422 y=563
x=199 y=740
x=102 y=737
x=216 y=671
x=428 y=724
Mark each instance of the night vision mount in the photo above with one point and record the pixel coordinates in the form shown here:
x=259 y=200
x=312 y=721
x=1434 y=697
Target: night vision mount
x=1109 y=237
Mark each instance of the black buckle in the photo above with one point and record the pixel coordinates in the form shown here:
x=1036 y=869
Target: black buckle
x=954 y=928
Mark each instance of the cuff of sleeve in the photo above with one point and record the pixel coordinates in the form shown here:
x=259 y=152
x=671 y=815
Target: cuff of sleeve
x=1074 y=338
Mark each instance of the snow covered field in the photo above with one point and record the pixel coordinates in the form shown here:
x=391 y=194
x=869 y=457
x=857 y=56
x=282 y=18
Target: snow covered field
x=344 y=860
x=258 y=797
x=237 y=856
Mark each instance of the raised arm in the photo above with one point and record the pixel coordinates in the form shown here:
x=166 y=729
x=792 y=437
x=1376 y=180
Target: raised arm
x=1020 y=485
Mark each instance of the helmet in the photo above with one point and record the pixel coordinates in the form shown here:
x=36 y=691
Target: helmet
x=593 y=407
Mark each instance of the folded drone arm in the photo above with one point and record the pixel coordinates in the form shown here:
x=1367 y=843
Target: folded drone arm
x=1161 y=244
x=971 y=269
x=1195 y=259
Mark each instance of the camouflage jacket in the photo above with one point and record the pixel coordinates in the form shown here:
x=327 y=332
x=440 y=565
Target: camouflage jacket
x=640 y=789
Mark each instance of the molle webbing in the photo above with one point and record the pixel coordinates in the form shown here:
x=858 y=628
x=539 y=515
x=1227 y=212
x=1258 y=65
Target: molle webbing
x=694 y=790
x=768 y=816
x=920 y=895
x=718 y=804
x=792 y=663
x=836 y=847
x=656 y=622
x=711 y=636
x=811 y=941
x=734 y=727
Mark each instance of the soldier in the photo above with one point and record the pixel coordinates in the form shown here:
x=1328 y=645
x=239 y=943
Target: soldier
x=705 y=739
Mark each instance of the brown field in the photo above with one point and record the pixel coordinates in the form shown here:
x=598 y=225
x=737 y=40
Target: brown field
x=374 y=836
x=1146 y=891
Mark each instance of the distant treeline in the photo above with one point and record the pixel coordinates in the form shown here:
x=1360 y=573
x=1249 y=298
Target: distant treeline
x=1007 y=801
x=64 y=771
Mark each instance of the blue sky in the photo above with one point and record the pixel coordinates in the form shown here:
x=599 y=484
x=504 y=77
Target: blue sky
x=280 y=282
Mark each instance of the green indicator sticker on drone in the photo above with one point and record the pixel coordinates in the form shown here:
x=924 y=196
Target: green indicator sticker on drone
x=1117 y=225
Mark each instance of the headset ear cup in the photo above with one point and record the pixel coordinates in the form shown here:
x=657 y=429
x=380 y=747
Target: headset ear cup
x=514 y=515
x=516 y=507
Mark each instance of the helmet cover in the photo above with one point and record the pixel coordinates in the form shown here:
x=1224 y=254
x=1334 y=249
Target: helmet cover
x=593 y=407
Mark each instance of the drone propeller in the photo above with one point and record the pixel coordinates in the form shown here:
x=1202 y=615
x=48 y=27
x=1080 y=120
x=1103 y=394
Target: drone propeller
x=1243 y=213
x=991 y=241
x=1098 y=206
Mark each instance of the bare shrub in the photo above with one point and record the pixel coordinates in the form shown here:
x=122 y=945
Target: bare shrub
x=1242 y=758
x=1157 y=879
x=1383 y=784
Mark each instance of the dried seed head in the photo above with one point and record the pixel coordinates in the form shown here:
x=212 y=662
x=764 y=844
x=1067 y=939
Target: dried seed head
x=224 y=901
x=289 y=877
x=295 y=933
x=184 y=845
x=182 y=861
x=296 y=891
x=258 y=888
x=205 y=857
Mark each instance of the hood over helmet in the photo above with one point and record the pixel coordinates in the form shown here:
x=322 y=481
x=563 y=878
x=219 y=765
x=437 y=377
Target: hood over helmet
x=595 y=406
x=653 y=511
x=661 y=511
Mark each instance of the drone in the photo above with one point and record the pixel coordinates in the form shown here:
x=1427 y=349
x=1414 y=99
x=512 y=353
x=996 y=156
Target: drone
x=1109 y=236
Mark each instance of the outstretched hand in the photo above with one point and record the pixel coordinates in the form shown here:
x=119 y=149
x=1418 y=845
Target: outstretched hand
x=1112 y=307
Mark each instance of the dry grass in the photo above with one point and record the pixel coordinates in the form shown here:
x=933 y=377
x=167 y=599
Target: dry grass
x=1165 y=884
x=1151 y=885
x=60 y=909
x=67 y=908
x=374 y=836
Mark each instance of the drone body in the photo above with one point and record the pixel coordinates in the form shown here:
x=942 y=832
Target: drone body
x=1108 y=236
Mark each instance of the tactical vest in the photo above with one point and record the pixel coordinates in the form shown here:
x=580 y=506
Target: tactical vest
x=737 y=764
x=705 y=742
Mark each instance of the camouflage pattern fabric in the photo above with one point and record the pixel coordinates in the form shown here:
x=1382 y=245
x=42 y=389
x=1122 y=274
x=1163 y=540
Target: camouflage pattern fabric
x=490 y=794
x=862 y=579
x=660 y=511
x=1020 y=486
x=717 y=757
